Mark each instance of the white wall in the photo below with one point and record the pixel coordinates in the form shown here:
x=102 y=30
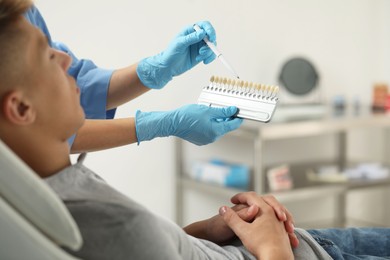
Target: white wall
x=348 y=40
x=386 y=39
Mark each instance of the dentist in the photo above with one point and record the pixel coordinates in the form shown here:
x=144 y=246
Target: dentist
x=102 y=91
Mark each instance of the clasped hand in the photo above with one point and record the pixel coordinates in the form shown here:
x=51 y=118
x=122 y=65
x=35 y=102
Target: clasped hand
x=265 y=230
x=248 y=206
x=263 y=225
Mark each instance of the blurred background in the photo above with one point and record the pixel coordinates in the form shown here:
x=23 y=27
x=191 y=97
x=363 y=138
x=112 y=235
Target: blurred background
x=345 y=43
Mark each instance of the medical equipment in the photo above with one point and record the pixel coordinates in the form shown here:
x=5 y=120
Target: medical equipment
x=217 y=52
x=254 y=101
x=34 y=222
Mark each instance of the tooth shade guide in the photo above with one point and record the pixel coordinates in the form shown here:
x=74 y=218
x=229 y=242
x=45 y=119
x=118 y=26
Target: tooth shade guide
x=255 y=101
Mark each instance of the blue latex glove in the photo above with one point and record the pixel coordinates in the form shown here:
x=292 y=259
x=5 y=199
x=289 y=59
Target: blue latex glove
x=198 y=124
x=183 y=53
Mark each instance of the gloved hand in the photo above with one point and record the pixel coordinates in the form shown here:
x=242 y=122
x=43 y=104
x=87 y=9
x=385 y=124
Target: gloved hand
x=198 y=124
x=183 y=53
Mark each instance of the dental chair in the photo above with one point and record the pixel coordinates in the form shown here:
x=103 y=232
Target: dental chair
x=34 y=223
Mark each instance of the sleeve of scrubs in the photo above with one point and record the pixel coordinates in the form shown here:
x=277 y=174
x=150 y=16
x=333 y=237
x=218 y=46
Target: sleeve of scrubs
x=92 y=81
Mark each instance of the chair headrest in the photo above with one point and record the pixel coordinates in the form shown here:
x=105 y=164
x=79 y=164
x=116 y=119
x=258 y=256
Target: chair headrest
x=25 y=191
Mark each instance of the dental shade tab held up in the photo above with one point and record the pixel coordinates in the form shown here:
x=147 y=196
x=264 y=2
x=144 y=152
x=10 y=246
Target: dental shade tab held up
x=217 y=52
x=254 y=101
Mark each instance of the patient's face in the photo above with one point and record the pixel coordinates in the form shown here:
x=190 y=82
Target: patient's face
x=54 y=93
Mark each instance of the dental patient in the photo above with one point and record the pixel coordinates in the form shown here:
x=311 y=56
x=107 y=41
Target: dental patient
x=40 y=110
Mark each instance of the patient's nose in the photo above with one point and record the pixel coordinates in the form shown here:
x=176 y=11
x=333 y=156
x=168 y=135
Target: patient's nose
x=64 y=59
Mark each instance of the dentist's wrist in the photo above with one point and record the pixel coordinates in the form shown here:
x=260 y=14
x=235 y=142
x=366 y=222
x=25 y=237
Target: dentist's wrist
x=152 y=73
x=150 y=125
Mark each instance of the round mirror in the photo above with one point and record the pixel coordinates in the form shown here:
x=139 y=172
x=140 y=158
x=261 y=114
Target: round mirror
x=298 y=76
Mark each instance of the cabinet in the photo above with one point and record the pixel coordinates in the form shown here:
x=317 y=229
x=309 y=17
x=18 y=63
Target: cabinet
x=313 y=204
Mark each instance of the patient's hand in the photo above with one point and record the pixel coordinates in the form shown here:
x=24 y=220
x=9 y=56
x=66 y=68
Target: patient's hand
x=252 y=199
x=219 y=232
x=265 y=237
x=216 y=230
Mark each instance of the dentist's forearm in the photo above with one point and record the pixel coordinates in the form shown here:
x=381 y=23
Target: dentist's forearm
x=97 y=135
x=124 y=86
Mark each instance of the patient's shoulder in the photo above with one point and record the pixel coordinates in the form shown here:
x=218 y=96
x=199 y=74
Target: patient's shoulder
x=114 y=231
x=96 y=214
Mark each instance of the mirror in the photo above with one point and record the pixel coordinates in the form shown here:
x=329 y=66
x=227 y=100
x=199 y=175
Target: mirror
x=299 y=76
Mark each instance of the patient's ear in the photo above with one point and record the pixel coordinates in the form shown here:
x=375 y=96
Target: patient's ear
x=18 y=109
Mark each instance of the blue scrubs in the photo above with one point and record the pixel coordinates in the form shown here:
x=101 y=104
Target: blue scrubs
x=92 y=81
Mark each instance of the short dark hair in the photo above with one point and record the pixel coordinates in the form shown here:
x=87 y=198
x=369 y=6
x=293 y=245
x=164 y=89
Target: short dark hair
x=10 y=12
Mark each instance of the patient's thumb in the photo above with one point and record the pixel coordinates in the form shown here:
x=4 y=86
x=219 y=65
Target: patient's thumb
x=232 y=219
